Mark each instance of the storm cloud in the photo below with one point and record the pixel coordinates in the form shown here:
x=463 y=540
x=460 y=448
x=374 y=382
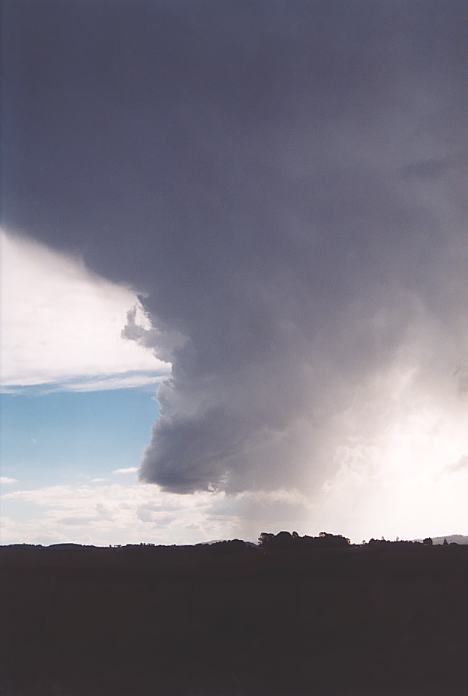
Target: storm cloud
x=284 y=183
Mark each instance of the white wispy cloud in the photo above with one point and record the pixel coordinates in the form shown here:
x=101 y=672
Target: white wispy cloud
x=7 y=480
x=62 y=325
x=115 y=382
x=127 y=470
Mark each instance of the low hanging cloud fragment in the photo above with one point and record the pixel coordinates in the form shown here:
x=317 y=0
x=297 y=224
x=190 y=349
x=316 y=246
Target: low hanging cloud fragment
x=283 y=183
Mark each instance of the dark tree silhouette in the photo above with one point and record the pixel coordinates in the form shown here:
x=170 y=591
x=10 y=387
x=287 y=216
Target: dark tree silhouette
x=235 y=619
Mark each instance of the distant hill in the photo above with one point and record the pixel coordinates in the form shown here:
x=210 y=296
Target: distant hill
x=67 y=546
x=451 y=539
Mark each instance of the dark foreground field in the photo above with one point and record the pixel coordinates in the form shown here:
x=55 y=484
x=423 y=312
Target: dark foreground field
x=233 y=620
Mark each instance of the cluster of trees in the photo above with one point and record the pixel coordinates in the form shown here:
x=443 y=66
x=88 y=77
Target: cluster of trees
x=284 y=540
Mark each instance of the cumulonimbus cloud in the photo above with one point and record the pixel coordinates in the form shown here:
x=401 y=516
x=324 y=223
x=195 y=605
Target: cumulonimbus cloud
x=283 y=184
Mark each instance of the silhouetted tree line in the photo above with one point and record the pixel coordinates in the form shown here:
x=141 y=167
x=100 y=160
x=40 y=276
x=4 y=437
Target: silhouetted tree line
x=291 y=616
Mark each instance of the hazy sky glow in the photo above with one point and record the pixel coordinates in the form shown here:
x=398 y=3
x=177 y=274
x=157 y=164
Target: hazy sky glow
x=283 y=185
x=62 y=325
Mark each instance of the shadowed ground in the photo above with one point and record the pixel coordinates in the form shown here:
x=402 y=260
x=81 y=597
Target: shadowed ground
x=232 y=619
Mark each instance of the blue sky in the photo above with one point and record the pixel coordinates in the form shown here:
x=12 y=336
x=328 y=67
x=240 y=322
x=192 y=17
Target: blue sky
x=62 y=437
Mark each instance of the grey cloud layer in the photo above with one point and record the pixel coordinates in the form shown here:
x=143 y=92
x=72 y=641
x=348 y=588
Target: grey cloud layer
x=284 y=184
